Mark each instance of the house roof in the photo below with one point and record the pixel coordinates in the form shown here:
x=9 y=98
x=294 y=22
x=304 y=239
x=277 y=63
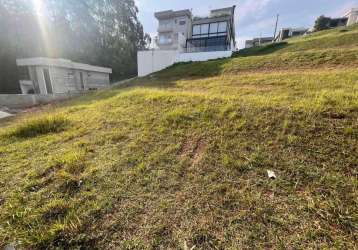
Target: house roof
x=262 y=39
x=228 y=10
x=62 y=63
x=170 y=14
x=202 y=20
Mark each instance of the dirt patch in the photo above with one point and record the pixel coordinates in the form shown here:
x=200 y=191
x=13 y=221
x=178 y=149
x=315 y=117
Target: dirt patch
x=335 y=115
x=193 y=148
x=49 y=172
x=2 y=201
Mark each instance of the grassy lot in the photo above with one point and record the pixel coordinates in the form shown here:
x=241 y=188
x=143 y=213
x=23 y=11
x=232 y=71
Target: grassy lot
x=179 y=159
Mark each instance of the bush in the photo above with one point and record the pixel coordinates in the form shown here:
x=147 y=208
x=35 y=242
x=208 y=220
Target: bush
x=322 y=23
x=41 y=126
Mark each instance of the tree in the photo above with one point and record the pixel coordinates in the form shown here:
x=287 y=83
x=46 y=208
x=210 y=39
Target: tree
x=322 y=23
x=100 y=32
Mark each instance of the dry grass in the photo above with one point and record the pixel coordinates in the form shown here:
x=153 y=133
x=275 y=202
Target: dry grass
x=173 y=162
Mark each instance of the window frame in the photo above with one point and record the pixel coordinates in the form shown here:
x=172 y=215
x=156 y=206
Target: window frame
x=210 y=32
x=168 y=39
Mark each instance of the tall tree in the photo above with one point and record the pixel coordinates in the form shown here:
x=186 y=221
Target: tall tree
x=101 y=32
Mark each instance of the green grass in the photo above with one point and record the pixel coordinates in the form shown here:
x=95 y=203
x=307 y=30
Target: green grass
x=39 y=126
x=179 y=159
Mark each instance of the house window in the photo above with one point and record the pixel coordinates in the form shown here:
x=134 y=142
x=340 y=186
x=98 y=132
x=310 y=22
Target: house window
x=196 y=30
x=222 y=27
x=213 y=28
x=165 y=38
x=182 y=22
x=165 y=24
x=204 y=30
x=210 y=30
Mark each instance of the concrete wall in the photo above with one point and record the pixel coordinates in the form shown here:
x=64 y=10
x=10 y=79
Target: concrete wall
x=26 y=101
x=202 y=56
x=96 y=80
x=64 y=80
x=156 y=60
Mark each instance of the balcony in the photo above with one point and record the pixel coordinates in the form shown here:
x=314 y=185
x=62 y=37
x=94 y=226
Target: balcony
x=165 y=28
x=207 y=44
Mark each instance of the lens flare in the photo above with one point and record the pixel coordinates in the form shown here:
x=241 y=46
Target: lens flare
x=39 y=9
x=38 y=6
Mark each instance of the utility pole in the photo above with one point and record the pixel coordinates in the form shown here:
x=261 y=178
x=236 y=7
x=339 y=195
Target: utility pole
x=260 y=38
x=274 y=35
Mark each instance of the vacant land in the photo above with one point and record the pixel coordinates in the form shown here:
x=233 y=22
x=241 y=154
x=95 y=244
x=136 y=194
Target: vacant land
x=179 y=159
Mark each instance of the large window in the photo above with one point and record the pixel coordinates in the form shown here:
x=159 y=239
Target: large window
x=165 y=39
x=196 y=30
x=210 y=30
x=165 y=24
x=218 y=43
x=222 y=27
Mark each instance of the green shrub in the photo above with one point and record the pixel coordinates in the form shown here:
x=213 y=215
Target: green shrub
x=40 y=126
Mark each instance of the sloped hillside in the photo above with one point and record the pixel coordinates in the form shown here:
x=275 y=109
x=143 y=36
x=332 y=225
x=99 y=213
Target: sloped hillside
x=180 y=158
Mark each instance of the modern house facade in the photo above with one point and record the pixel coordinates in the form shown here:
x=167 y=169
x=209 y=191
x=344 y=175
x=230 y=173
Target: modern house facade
x=179 y=30
x=183 y=38
x=352 y=16
x=56 y=76
x=213 y=33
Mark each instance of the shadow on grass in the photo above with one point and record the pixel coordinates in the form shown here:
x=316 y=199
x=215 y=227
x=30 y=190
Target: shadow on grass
x=261 y=50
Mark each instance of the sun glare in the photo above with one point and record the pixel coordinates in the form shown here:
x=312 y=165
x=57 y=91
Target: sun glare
x=37 y=6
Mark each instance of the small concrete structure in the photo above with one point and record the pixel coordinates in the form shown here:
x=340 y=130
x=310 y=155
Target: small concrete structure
x=57 y=76
x=258 y=42
x=286 y=33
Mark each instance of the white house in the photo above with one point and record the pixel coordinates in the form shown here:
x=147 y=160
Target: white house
x=174 y=27
x=352 y=16
x=258 y=42
x=286 y=33
x=183 y=38
x=56 y=76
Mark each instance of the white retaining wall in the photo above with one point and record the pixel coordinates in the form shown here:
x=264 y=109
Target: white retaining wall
x=202 y=56
x=155 y=60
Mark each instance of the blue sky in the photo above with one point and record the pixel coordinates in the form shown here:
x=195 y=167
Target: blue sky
x=253 y=17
